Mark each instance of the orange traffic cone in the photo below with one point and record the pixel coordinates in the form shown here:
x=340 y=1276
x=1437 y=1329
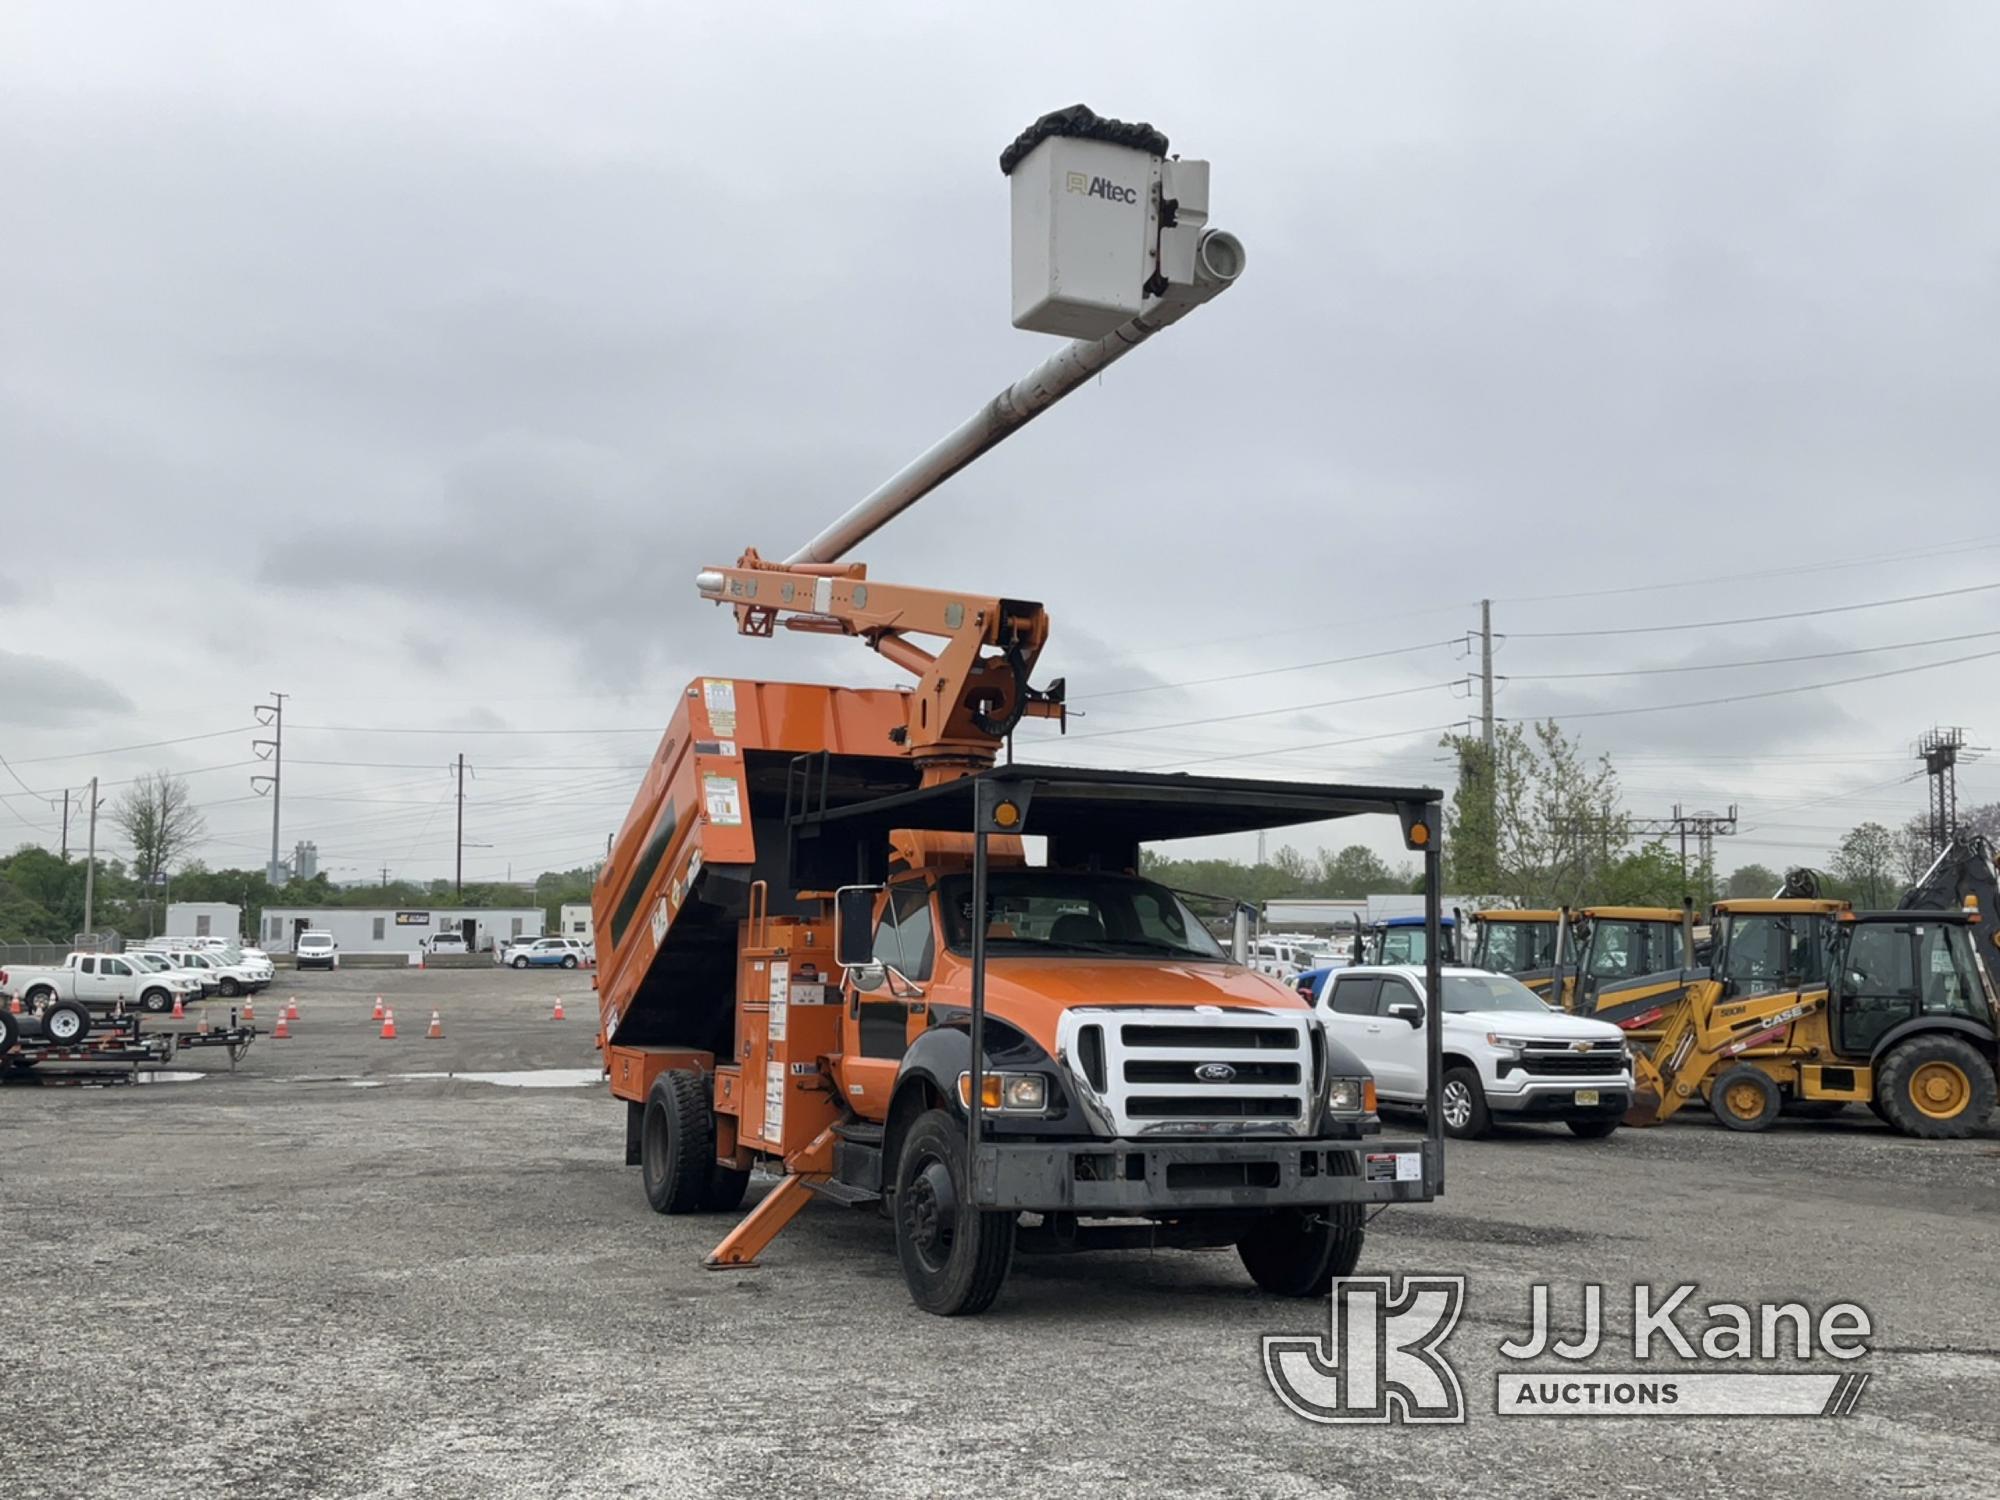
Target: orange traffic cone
x=291 y=1011
x=202 y=1028
x=249 y=1010
x=180 y=1013
x=378 y=1009
x=284 y=1032
x=436 y=1033
x=16 y=1006
x=559 y=1010
x=388 y=1025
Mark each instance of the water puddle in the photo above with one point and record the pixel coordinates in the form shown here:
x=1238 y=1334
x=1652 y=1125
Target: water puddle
x=169 y=1075
x=539 y=1078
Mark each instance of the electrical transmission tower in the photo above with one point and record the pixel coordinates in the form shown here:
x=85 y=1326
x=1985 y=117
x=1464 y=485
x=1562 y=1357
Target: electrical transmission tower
x=1705 y=826
x=1940 y=750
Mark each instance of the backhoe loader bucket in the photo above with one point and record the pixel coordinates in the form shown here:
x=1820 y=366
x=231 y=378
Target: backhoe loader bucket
x=1645 y=1108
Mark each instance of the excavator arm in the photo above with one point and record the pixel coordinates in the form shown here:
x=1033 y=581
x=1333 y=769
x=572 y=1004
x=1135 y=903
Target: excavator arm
x=971 y=690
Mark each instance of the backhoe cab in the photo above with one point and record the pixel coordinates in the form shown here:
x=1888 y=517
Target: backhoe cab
x=1588 y=961
x=1813 y=1006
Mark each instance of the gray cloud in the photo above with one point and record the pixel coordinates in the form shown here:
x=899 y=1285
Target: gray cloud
x=43 y=693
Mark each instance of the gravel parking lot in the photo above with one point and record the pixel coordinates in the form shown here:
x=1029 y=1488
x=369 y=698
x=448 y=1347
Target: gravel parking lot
x=336 y=1272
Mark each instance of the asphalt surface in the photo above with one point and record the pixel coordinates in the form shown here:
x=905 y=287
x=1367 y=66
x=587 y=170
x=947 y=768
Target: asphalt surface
x=315 y=1276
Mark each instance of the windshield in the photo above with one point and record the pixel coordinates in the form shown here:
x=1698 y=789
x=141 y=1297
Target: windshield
x=1465 y=992
x=149 y=961
x=1403 y=945
x=1040 y=911
x=1513 y=947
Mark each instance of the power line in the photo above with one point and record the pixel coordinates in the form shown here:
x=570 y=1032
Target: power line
x=1809 y=687
x=1304 y=666
x=186 y=739
x=1767 y=661
x=1798 y=614
x=1975 y=544
x=653 y=729
x=1265 y=713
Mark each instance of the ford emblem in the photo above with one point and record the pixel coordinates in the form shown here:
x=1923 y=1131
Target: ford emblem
x=1215 y=1073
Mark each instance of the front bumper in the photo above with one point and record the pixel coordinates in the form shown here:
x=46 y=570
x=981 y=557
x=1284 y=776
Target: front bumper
x=1150 y=1176
x=1553 y=1100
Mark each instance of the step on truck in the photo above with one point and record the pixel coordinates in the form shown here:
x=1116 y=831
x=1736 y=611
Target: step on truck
x=840 y=942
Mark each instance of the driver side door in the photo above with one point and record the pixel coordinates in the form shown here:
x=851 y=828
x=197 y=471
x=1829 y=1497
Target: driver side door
x=880 y=1024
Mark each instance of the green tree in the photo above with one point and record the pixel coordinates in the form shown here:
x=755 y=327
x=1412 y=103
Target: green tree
x=1866 y=864
x=1354 y=872
x=1650 y=876
x=1556 y=823
x=1752 y=880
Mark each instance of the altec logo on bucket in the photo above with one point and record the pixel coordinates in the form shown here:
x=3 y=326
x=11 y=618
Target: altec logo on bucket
x=1383 y=1361
x=1100 y=187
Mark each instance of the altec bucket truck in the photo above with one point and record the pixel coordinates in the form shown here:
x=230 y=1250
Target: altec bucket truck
x=823 y=951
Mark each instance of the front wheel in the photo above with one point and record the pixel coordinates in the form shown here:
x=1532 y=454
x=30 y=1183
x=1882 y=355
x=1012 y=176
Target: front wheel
x=1937 y=1088
x=1745 y=1098
x=230 y=988
x=158 y=1002
x=955 y=1257
x=1465 y=1113
x=520 y=963
x=1296 y=1252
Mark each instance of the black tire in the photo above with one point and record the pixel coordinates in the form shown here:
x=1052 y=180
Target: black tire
x=1745 y=1098
x=157 y=1002
x=1296 y=1252
x=955 y=1259
x=1875 y=1108
x=519 y=963
x=10 y=1032
x=40 y=995
x=723 y=1192
x=65 y=1023
x=1937 y=1088
x=230 y=988
x=569 y=960
x=1594 y=1130
x=1465 y=1099
x=676 y=1143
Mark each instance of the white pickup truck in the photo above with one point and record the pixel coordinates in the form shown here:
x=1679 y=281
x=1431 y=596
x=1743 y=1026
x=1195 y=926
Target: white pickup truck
x=221 y=968
x=100 y=981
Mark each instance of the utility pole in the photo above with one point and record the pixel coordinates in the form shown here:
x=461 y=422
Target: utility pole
x=1486 y=678
x=385 y=877
x=271 y=716
x=458 y=873
x=90 y=868
x=65 y=833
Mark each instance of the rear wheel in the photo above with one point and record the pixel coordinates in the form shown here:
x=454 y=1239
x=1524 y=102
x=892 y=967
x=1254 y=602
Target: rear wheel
x=65 y=1023
x=1594 y=1130
x=1296 y=1252
x=1935 y=1087
x=1465 y=1113
x=569 y=960
x=40 y=995
x=676 y=1143
x=955 y=1258
x=1745 y=1098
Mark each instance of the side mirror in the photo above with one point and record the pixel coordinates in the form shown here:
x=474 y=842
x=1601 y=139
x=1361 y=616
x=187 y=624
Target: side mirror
x=854 y=925
x=1407 y=1010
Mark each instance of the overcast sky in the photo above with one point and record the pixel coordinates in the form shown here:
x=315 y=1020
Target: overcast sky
x=411 y=359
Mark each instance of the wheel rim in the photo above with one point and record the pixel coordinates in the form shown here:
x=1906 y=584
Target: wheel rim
x=64 y=1026
x=1457 y=1104
x=1940 y=1090
x=1743 y=1099
x=930 y=1214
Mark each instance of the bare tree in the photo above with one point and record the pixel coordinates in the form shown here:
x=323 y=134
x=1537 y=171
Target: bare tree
x=159 y=819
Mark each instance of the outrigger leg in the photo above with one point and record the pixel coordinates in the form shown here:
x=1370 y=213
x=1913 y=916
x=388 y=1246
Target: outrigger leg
x=742 y=1245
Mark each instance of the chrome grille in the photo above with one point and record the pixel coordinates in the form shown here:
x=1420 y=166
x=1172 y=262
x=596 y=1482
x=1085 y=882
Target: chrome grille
x=1180 y=1072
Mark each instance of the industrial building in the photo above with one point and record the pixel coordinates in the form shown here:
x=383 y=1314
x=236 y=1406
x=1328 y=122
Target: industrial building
x=205 y=919
x=360 y=929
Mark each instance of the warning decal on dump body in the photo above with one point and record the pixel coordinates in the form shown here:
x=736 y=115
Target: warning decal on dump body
x=774 y=1101
x=719 y=695
x=780 y=981
x=724 y=799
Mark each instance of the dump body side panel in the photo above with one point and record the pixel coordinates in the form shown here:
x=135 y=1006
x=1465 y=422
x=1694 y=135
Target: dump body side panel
x=706 y=825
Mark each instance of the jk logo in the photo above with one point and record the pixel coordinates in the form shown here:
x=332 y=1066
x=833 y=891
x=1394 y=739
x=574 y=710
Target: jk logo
x=1380 y=1360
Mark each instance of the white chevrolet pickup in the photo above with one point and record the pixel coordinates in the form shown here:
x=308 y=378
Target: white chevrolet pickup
x=100 y=981
x=1508 y=1054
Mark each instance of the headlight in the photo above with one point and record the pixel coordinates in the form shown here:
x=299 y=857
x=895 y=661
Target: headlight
x=1349 y=1096
x=1513 y=1045
x=1016 y=1093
